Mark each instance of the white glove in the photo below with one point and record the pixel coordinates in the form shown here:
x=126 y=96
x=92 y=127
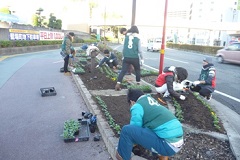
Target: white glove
x=142 y=62
x=182 y=97
x=172 y=68
x=97 y=66
x=111 y=60
x=196 y=83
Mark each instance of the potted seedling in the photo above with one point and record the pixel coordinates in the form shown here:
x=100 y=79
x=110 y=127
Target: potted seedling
x=71 y=129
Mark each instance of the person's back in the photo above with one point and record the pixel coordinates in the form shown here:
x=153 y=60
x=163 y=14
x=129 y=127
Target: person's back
x=131 y=50
x=152 y=126
x=131 y=46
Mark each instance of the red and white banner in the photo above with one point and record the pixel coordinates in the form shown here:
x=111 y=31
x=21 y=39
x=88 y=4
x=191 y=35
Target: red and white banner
x=49 y=35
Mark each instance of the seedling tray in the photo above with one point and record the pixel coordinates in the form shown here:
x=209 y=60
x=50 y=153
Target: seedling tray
x=84 y=133
x=50 y=91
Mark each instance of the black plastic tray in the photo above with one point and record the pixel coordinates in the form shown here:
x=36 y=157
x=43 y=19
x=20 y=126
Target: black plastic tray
x=50 y=91
x=84 y=133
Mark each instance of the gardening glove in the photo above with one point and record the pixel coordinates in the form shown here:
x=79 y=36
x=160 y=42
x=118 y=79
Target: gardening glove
x=172 y=68
x=97 y=66
x=142 y=62
x=196 y=83
x=111 y=60
x=182 y=97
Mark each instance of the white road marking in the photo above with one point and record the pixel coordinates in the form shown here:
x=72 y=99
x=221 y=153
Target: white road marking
x=58 y=61
x=117 y=47
x=226 y=95
x=168 y=58
x=177 y=60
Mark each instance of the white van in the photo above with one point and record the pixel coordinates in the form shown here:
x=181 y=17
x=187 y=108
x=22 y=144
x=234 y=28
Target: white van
x=154 y=44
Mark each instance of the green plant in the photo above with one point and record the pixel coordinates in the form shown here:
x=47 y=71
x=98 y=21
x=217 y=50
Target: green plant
x=108 y=116
x=145 y=72
x=79 y=70
x=70 y=128
x=213 y=114
x=144 y=88
x=178 y=110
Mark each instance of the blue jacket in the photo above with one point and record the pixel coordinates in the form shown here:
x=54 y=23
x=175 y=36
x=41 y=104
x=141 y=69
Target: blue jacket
x=107 y=59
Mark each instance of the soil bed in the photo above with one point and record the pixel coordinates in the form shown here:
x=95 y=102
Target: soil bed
x=197 y=146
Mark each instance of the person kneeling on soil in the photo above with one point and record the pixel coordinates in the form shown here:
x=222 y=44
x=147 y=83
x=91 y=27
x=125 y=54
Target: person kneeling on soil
x=169 y=81
x=152 y=126
x=110 y=59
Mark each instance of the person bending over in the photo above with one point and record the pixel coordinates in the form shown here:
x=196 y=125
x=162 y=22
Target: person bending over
x=152 y=126
x=168 y=82
x=110 y=59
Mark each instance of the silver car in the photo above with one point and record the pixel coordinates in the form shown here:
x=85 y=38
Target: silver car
x=229 y=54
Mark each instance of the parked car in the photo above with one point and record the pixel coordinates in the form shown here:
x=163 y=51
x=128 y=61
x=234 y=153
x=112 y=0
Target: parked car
x=154 y=44
x=229 y=54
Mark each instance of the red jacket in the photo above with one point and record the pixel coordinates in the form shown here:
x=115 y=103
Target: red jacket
x=161 y=79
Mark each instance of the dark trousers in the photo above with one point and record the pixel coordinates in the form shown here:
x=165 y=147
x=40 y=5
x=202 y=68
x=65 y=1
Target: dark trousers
x=202 y=91
x=65 y=67
x=113 y=63
x=125 y=65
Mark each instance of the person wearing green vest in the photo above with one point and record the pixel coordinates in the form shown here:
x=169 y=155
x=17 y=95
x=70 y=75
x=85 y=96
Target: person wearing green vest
x=152 y=126
x=206 y=82
x=131 y=51
x=67 y=49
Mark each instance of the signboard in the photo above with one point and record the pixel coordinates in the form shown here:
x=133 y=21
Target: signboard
x=19 y=34
x=49 y=35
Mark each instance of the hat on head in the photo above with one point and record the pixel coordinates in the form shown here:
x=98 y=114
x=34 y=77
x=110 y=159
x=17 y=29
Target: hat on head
x=207 y=59
x=71 y=34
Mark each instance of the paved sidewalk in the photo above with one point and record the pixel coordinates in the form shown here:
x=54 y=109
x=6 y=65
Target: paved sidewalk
x=31 y=125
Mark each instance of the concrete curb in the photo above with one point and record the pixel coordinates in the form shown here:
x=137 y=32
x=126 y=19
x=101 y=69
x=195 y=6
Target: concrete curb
x=110 y=141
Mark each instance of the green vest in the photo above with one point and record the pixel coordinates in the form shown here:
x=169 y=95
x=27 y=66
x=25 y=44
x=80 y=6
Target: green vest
x=63 y=47
x=130 y=50
x=154 y=114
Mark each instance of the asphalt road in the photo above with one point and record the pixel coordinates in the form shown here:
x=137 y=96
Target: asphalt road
x=31 y=125
x=228 y=75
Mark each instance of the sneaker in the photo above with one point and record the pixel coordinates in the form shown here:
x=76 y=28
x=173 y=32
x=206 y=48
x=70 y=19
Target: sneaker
x=167 y=98
x=67 y=74
x=208 y=98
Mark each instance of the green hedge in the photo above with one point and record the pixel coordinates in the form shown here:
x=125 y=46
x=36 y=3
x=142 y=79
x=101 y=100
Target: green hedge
x=196 y=48
x=21 y=43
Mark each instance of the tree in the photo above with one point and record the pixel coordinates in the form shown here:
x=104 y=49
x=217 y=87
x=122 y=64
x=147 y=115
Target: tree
x=54 y=22
x=92 y=4
x=39 y=17
x=35 y=20
x=5 y=10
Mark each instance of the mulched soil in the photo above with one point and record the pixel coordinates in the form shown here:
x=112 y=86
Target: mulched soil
x=197 y=146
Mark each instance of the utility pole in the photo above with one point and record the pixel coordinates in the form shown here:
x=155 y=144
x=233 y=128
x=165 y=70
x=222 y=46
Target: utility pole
x=133 y=12
x=162 y=51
